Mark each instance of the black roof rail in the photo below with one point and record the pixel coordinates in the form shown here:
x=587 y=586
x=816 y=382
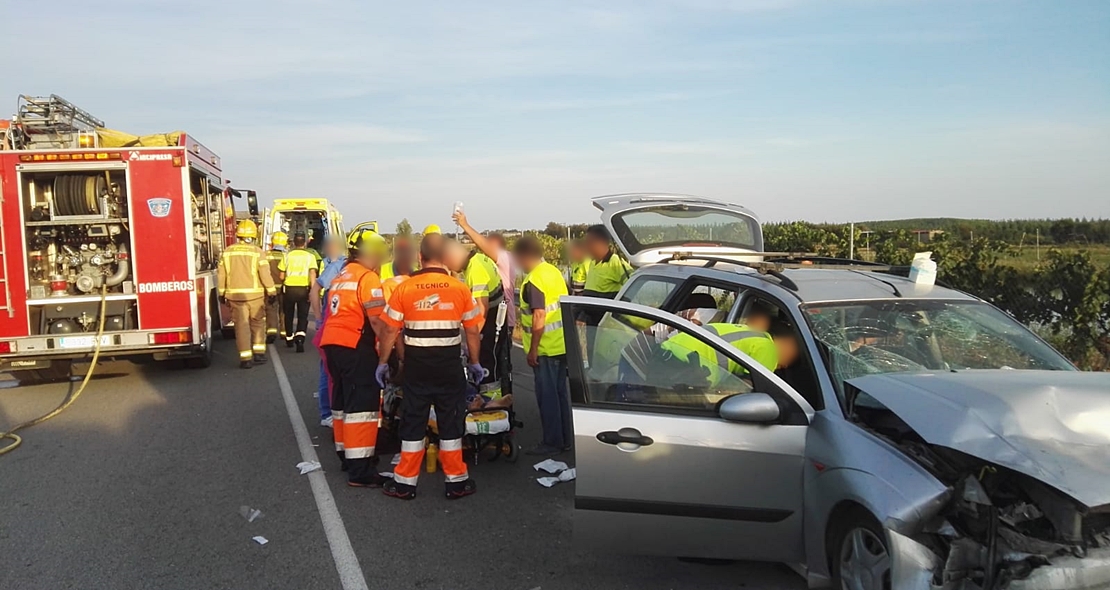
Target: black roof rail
x=764 y=268
x=818 y=261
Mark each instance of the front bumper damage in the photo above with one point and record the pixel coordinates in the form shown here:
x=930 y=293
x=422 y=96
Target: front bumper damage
x=914 y=566
x=1029 y=467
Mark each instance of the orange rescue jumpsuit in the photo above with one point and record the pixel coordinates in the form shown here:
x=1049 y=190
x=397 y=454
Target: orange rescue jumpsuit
x=432 y=307
x=350 y=348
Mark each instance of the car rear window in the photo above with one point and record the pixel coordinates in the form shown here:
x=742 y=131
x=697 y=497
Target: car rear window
x=685 y=225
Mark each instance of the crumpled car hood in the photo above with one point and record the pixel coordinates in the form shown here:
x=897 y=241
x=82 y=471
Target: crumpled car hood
x=1053 y=426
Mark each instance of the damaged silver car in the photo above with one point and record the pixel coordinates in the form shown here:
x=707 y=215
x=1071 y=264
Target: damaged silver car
x=922 y=440
x=1024 y=452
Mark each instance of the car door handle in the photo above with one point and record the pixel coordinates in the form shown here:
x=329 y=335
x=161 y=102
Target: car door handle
x=629 y=436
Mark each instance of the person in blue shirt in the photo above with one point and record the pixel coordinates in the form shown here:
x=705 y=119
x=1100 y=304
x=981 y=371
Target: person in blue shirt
x=332 y=264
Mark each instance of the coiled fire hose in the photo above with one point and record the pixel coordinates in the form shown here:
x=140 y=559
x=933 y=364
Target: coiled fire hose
x=74 y=394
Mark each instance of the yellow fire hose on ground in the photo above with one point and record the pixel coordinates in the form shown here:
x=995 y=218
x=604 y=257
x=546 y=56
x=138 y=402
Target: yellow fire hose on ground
x=72 y=397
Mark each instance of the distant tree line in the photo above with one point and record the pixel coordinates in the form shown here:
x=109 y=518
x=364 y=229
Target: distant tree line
x=1013 y=231
x=561 y=231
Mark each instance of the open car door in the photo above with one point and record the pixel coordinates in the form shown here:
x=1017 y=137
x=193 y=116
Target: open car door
x=671 y=459
x=370 y=225
x=650 y=228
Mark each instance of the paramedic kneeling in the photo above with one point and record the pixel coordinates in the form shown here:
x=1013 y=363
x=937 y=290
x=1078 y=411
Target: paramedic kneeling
x=432 y=307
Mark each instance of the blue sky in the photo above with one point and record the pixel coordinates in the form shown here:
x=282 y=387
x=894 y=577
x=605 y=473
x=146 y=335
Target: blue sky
x=830 y=110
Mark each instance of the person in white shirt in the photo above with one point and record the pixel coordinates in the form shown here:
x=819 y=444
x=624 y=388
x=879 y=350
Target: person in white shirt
x=493 y=245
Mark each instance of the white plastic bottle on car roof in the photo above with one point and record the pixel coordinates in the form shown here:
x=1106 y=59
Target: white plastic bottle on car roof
x=923 y=271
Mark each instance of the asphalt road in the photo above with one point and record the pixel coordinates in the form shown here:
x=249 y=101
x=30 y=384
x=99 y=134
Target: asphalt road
x=140 y=485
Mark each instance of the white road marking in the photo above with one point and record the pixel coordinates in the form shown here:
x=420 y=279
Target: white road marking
x=346 y=562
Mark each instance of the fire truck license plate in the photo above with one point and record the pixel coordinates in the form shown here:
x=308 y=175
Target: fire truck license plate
x=83 y=341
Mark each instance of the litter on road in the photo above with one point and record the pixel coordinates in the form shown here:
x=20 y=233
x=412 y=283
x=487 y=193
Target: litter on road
x=251 y=514
x=550 y=466
x=260 y=540
x=308 y=466
x=565 y=475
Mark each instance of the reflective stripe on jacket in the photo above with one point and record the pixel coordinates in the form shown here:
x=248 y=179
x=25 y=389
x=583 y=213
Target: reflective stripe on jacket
x=298 y=267
x=432 y=307
x=244 y=273
x=758 y=345
x=484 y=280
x=354 y=297
x=550 y=282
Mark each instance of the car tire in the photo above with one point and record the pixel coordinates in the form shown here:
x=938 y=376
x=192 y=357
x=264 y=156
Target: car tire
x=858 y=552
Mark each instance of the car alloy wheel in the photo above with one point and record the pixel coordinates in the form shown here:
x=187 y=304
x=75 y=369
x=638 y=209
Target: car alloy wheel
x=864 y=561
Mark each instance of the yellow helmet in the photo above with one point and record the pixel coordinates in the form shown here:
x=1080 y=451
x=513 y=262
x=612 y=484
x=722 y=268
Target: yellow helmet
x=367 y=241
x=352 y=238
x=432 y=229
x=279 y=239
x=247 y=230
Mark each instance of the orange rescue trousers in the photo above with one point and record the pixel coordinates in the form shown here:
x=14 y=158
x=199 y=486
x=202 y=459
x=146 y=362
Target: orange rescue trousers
x=355 y=406
x=450 y=405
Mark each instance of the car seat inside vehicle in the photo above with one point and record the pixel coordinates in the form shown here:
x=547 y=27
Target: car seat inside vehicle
x=698 y=301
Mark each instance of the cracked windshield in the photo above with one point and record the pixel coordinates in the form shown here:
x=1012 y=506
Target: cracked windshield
x=909 y=336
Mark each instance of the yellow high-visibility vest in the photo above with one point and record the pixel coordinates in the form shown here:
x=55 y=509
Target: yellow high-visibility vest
x=298 y=266
x=550 y=282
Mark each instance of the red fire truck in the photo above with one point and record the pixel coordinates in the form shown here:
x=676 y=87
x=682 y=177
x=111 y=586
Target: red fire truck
x=91 y=218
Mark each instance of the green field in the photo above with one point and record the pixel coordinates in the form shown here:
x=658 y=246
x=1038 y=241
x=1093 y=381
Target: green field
x=1028 y=257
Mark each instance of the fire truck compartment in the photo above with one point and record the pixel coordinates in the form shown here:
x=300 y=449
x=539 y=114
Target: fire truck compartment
x=76 y=226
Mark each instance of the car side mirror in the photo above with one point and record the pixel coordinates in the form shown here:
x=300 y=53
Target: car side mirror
x=753 y=408
x=252 y=203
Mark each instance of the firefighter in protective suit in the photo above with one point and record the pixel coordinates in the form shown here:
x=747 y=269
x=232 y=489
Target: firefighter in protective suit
x=246 y=285
x=275 y=315
x=355 y=305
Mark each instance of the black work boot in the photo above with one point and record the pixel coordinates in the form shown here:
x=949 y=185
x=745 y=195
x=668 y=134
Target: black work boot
x=460 y=489
x=260 y=359
x=399 y=490
x=300 y=343
x=245 y=364
x=270 y=338
x=288 y=343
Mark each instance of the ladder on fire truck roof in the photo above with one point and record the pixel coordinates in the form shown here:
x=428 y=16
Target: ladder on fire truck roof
x=53 y=121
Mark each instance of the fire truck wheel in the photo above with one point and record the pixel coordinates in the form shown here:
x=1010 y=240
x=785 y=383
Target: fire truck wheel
x=203 y=360
x=57 y=371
